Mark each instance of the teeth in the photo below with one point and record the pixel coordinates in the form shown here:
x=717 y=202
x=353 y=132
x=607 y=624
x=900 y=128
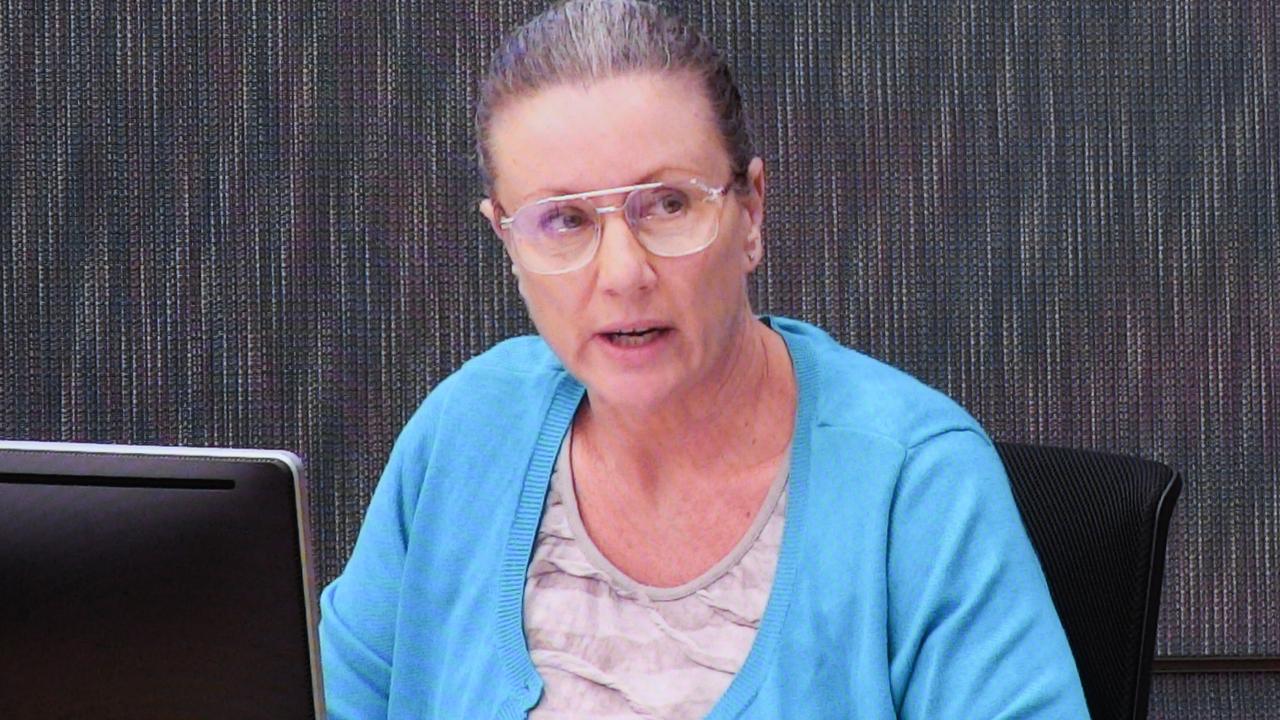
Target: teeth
x=630 y=340
x=633 y=338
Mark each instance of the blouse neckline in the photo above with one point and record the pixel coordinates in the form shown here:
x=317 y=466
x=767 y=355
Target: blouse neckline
x=562 y=481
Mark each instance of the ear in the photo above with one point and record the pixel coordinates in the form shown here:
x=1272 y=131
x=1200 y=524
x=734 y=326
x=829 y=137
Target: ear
x=755 y=183
x=491 y=211
x=753 y=206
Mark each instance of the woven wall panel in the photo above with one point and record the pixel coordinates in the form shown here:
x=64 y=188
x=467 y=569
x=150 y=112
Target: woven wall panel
x=1239 y=696
x=254 y=224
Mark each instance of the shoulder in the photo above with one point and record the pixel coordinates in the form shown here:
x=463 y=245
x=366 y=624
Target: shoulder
x=524 y=355
x=517 y=368
x=478 y=426
x=854 y=391
x=502 y=389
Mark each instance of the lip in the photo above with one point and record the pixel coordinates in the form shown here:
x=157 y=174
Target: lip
x=640 y=357
x=634 y=325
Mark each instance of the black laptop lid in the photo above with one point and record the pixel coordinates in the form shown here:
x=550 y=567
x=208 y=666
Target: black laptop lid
x=154 y=583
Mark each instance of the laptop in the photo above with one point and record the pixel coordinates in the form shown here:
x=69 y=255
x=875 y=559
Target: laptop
x=155 y=583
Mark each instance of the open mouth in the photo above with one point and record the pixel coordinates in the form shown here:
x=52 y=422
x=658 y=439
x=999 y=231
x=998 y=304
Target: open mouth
x=635 y=338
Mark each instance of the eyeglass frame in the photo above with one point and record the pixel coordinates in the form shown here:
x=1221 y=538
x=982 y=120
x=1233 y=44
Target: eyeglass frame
x=714 y=194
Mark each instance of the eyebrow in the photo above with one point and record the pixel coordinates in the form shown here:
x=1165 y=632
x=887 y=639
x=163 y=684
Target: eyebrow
x=651 y=176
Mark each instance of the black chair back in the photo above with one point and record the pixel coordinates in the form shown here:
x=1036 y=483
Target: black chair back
x=1099 y=523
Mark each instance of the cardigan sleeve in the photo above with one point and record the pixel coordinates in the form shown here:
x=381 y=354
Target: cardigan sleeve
x=972 y=629
x=359 y=610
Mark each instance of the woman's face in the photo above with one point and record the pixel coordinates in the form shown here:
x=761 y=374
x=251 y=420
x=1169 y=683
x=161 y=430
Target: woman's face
x=617 y=132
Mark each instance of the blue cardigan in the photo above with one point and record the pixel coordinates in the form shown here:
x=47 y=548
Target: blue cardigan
x=906 y=586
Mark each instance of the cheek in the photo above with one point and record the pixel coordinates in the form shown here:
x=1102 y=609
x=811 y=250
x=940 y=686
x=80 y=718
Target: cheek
x=552 y=305
x=724 y=273
x=710 y=295
x=535 y=301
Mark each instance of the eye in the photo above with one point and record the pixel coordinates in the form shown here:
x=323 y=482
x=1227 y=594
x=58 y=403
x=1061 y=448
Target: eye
x=671 y=203
x=663 y=203
x=563 y=219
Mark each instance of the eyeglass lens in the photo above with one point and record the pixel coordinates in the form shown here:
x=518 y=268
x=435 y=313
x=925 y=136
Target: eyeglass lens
x=667 y=220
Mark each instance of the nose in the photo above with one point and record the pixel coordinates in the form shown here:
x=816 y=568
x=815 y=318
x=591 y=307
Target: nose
x=622 y=264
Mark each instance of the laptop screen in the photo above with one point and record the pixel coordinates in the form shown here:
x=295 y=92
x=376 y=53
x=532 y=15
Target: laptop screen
x=138 y=586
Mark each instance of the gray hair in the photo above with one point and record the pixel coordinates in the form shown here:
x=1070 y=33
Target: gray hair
x=586 y=40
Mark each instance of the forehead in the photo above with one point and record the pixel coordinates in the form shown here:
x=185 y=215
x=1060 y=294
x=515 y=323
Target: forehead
x=574 y=137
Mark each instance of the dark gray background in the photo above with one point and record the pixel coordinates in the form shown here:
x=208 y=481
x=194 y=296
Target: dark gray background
x=253 y=224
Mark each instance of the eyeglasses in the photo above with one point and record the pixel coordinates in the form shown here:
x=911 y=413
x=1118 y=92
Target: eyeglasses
x=561 y=234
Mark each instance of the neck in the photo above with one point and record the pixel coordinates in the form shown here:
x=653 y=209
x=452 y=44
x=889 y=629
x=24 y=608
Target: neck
x=738 y=420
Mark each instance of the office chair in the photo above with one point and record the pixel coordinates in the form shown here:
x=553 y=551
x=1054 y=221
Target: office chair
x=1099 y=523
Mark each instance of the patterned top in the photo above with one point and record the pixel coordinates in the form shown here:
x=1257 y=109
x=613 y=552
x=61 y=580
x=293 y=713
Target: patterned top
x=609 y=647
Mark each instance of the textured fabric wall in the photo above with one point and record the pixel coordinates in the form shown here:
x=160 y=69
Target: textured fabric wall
x=253 y=224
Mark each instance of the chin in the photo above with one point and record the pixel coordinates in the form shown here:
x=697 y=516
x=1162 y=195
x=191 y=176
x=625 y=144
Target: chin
x=638 y=393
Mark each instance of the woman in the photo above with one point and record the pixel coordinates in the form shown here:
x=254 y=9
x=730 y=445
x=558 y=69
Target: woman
x=663 y=506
